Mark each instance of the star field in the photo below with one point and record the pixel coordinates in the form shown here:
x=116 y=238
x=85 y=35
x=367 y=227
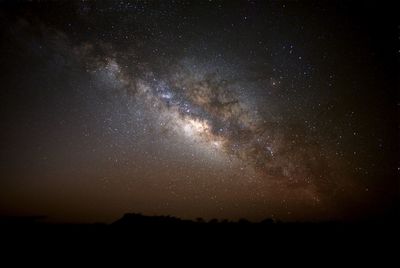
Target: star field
x=214 y=109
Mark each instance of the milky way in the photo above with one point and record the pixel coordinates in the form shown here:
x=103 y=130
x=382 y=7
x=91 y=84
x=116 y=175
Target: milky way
x=209 y=109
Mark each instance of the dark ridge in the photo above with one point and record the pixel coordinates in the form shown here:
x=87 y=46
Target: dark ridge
x=162 y=232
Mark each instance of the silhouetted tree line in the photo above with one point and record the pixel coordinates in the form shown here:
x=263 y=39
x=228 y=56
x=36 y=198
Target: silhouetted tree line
x=137 y=218
x=140 y=219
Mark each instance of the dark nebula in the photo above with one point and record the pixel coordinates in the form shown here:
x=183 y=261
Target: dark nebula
x=213 y=109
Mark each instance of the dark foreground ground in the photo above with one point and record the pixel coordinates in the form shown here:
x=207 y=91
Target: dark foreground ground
x=135 y=235
x=32 y=230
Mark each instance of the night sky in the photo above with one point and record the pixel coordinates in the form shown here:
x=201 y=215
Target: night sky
x=212 y=109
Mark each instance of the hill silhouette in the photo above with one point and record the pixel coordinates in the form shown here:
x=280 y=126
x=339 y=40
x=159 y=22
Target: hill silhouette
x=140 y=219
x=137 y=230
